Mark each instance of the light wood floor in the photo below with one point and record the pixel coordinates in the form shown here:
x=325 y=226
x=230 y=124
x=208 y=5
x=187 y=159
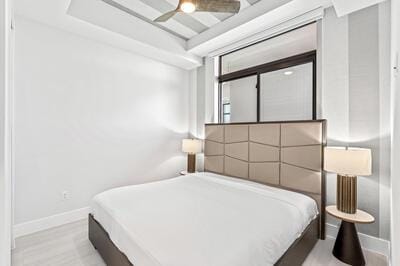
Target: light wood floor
x=68 y=245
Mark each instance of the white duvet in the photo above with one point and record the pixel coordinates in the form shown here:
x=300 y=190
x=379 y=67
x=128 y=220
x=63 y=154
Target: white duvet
x=203 y=219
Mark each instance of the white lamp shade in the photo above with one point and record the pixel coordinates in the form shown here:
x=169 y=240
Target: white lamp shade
x=191 y=145
x=347 y=161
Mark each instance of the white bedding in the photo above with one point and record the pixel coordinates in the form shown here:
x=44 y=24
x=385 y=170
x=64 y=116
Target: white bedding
x=203 y=219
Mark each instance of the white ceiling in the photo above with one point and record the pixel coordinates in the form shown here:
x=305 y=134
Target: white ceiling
x=183 y=25
x=182 y=41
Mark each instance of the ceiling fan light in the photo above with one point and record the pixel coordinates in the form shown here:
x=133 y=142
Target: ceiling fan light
x=188 y=7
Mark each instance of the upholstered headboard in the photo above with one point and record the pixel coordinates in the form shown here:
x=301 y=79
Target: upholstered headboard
x=283 y=154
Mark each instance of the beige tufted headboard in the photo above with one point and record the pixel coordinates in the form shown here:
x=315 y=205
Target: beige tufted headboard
x=283 y=154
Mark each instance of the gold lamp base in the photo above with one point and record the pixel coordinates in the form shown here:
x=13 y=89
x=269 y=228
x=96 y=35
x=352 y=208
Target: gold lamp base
x=346 y=193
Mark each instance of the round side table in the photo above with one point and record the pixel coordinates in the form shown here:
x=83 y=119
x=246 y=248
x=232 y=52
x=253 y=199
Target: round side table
x=347 y=245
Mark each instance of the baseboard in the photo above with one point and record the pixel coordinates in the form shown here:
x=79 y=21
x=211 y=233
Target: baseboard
x=372 y=243
x=49 y=222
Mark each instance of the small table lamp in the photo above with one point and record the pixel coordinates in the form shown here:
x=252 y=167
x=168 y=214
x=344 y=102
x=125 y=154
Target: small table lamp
x=348 y=163
x=191 y=147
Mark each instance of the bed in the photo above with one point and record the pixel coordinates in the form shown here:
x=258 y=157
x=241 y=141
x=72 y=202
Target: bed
x=260 y=201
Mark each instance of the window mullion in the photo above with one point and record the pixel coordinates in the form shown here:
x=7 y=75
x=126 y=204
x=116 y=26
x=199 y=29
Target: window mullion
x=258 y=87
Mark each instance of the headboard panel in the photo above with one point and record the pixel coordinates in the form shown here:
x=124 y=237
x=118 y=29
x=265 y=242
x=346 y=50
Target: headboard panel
x=284 y=154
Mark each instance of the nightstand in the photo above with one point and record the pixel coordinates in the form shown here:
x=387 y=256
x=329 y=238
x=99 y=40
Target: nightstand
x=347 y=245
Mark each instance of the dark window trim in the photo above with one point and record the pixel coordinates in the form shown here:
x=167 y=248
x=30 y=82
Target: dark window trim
x=268 y=67
x=300 y=59
x=267 y=122
x=223 y=105
x=220 y=111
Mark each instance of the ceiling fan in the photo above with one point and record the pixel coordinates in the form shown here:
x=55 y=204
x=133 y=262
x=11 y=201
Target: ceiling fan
x=190 y=6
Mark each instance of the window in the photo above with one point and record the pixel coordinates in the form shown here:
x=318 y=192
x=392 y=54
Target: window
x=240 y=95
x=227 y=112
x=283 y=89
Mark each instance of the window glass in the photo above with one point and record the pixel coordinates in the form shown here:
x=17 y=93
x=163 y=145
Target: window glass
x=239 y=100
x=287 y=94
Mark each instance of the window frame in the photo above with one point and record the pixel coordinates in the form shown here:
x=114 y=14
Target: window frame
x=300 y=59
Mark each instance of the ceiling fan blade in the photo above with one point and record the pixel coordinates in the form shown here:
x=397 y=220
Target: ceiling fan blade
x=166 y=16
x=223 y=6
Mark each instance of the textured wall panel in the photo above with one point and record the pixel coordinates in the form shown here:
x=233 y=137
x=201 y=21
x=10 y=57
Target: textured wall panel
x=267 y=173
x=263 y=153
x=265 y=133
x=303 y=156
x=215 y=133
x=238 y=150
x=236 y=133
x=214 y=164
x=234 y=167
x=213 y=148
x=300 y=179
x=297 y=134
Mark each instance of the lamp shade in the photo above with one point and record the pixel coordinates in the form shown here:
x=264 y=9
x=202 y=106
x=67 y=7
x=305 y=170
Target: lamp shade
x=347 y=161
x=191 y=145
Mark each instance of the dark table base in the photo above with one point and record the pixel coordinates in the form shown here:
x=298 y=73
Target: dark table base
x=347 y=246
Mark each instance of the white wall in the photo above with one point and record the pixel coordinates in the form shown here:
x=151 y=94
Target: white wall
x=5 y=89
x=202 y=97
x=89 y=117
x=356 y=102
x=385 y=121
x=395 y=182
x=3 y=84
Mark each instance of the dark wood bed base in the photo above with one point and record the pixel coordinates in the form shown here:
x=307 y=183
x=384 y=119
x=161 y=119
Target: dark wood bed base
x=112 y=256
x=101 y=241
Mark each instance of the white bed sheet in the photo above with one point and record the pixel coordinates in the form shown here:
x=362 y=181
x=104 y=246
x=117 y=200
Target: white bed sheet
x=203 y=219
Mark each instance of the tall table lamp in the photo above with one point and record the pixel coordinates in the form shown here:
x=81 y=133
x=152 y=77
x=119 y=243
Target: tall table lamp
x=191 y=147
x=347 y=163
